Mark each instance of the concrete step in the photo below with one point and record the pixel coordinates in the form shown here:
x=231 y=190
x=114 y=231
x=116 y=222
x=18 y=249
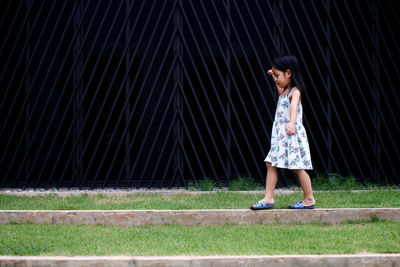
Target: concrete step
x=196 y=217
x=67 y=192
x=381 y=260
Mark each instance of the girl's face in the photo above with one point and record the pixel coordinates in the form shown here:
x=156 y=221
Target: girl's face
x=282 y=78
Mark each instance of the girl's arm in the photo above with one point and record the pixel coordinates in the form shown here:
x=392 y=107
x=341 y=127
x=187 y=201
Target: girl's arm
x=295 y=98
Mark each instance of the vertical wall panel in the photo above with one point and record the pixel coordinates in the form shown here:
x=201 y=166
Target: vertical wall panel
x=160 y=93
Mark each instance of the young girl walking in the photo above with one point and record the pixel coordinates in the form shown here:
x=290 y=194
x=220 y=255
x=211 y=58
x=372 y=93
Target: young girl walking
x=289 y=144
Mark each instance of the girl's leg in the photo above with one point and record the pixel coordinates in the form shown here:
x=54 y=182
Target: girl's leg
x=270 y=183
x=305 y=183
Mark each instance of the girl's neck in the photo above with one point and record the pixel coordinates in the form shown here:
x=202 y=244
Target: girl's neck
x=286 y=89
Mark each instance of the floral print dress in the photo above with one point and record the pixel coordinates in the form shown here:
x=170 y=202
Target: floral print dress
x=290 y=152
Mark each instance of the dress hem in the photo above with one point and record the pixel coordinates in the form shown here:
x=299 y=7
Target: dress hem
x=284 y=167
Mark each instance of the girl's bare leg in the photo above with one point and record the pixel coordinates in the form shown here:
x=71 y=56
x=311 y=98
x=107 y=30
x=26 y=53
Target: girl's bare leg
x=305 y=183
x=271 y=180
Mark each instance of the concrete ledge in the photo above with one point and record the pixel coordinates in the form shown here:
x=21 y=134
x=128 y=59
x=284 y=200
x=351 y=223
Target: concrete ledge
x=195 y=217
x=381 y=260
x=121 y=193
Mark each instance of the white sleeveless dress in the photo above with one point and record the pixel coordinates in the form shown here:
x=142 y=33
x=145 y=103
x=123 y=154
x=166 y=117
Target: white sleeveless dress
x=290 y=152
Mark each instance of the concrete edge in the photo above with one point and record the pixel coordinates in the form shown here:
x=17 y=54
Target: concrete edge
x=162 y=192
x=367 y=259
x=128 y=193
x=196 y=217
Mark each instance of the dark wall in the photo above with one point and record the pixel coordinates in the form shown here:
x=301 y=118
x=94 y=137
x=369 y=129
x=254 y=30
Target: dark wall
x=160 y=93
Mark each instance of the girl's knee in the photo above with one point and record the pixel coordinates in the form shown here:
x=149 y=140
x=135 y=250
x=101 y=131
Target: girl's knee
x=269 y=165
x=297 y=172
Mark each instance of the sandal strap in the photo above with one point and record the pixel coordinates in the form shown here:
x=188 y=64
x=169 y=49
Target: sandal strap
x=260 y=203
x=298 y=204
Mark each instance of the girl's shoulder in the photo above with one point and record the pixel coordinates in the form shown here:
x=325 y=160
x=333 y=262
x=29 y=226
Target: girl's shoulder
x=294 y=92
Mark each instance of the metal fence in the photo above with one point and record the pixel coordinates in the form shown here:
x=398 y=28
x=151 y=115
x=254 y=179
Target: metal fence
x=159 y=93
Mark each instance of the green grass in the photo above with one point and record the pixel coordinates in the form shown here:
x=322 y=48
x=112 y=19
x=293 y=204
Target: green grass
x=316 y=238
x=330 y=181
x=206 y=185
x=337 y=182
x=218 y=200
x=243 y=183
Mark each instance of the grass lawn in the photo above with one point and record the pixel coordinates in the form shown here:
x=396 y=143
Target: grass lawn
x=68 y=240
x=219 y=200
x=229 y=239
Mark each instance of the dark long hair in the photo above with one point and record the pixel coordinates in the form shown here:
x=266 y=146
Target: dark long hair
x=291 y=63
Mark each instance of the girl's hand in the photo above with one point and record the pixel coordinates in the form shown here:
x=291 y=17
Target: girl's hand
x=290 y=130
x=269 y=72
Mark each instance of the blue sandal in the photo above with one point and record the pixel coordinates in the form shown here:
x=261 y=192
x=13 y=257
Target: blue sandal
x=261 y=205
x=299 y=206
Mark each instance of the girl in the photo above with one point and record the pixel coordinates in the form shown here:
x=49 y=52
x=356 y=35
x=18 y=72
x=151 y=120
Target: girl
x=289 y=144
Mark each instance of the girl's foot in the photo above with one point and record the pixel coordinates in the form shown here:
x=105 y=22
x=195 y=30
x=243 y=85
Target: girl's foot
x=268 y=200
x=262 y=205
x=308 y=202
x=304 y=204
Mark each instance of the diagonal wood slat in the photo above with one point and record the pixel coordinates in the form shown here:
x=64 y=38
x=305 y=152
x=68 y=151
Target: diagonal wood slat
x=162 y=93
